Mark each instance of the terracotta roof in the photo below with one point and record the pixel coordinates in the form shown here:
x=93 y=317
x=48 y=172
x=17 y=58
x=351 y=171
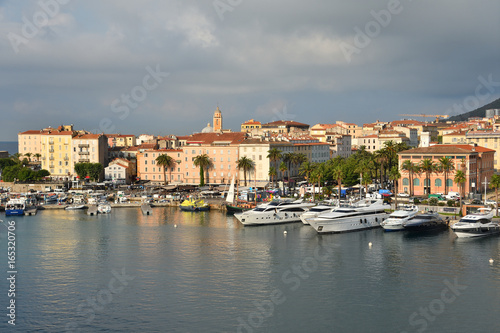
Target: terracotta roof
x=88 y=136
x=209 y=138
x=55 y=132
x=32 y=132
x=406 y=122
x=251 y=122
x=456 y=133
x=285 y=123
x=447 y=149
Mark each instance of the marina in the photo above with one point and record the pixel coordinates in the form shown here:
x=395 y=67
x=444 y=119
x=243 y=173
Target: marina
x=206 y=272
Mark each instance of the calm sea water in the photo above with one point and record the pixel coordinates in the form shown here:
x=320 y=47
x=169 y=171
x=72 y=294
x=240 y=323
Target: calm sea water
x=10 y=146
x=126 y=272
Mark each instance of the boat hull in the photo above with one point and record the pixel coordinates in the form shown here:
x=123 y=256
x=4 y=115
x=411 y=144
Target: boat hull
x=235 y=209
x=393 y=227
x=347 y=224
x=14 y=212
x=268 y=218
x=476 y=232
x=194 y=209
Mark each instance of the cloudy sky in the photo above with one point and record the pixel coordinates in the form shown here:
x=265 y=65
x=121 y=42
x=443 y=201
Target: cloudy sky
x=163 y=66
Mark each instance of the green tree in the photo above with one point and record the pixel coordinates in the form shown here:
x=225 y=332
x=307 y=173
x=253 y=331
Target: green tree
x=37 y=156
x=495 y=183
x=42 y=173
x=446 y=165
x=246 y=164
x=283 y=169
x=412 y=168
x=395 y=175
x=94 y=170
x=428 y=166
x=81 y=170
x=272 y=173
x=274 y=155
x=460 y=179
x=203 y=162
x=338 y=174
x=28 y=155
x=166 y=162
x=9 y=173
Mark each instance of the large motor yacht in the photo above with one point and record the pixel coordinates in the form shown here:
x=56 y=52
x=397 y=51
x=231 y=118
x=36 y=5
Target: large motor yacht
x=429 y=221
x=274 y=212
x=395 y=221
x=364 y=214
x=478 y=224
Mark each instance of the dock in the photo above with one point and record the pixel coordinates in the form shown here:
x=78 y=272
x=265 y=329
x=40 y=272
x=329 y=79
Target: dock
x=146 y=209
x=92 y=211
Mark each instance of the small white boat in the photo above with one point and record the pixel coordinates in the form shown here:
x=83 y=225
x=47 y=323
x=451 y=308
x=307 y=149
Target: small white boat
x=74 y=207
x=478 y=224
x=395 y=221
x=104 y=208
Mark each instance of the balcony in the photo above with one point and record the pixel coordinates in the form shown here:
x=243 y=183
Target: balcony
x=51 y=141
x=51 y=158
x=43 y=158
x=83 y=153
x=66 y=158
x=51 y=150
x=83 y=145
x=51 y=166
x=84 y=160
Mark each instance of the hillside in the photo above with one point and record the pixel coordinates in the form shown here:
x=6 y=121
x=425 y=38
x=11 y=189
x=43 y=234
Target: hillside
x=479 y=112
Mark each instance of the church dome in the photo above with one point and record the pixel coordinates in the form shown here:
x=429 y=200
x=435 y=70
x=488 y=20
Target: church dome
x=207 y=129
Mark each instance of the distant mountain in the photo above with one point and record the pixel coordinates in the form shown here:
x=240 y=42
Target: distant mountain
x=480 y=112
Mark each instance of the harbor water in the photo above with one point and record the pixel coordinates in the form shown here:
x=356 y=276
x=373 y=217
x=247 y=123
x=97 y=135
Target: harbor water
x=176 y=271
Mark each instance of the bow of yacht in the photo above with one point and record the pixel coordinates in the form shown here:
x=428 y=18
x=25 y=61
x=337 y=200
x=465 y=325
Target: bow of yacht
x=274 y=212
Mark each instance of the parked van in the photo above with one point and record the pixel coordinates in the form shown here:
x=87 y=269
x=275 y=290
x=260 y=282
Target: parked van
x=437 y=196
x=453 y=195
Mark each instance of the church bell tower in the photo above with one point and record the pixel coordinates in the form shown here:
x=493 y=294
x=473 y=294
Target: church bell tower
x=217 y=121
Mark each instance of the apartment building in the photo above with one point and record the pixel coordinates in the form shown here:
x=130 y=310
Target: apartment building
x=148 y=168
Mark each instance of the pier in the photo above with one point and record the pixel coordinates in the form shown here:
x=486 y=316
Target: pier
x=146 y=209
x=92 y=211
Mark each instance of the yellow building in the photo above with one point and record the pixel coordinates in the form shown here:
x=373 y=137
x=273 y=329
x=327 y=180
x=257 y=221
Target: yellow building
x=251 y=126
x=454 y=138
x=56 y=153
x=30 y=142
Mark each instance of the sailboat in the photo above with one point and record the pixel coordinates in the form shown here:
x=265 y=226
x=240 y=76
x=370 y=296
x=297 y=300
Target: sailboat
x=233 y=207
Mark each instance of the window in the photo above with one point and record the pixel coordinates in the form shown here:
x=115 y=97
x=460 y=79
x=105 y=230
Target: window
x=449 y=182
x=438 y=182
x=146 y=155
x=146 y=169
x=416 y=182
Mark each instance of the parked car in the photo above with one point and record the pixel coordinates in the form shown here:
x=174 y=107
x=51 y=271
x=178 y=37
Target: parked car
x=490 y=202
x=476 y=202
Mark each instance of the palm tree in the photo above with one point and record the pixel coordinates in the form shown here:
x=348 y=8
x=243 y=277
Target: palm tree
x=364 y=168
x=412 y=168
x=305 y=169
x=338 y=174
x=167 y=162
x=246 y=164
x=460 y=180
x=204 y=162
x=495 y=183
x=38 y=155
x=446 y=165
x=283 y=169
x=382 y=157
x=288 y=159
x=395 y=175
x=274 y=155
x=28 y=155
x=272 y=173
x=427 y=166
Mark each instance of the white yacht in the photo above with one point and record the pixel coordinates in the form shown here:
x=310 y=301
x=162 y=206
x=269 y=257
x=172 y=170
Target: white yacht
x=395 y=221
x=315 y=211
x=478 y=224
x=274 y=212
x=364 y=214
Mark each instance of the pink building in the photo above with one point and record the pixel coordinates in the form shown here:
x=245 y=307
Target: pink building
x=148 y=169
x=222 y=149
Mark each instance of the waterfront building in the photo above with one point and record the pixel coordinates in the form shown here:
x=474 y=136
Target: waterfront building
x=149 y=170
x=30 y=142
x=325 y=132
x=88 y=148
x=221 y=148
x=120 y=171
x=340 y=145
x=475 y=161
x=488 y=139
x=352 y=129
x=56 y=150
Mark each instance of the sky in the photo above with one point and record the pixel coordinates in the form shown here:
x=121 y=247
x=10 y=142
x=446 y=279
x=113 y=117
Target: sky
x=163 y=66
